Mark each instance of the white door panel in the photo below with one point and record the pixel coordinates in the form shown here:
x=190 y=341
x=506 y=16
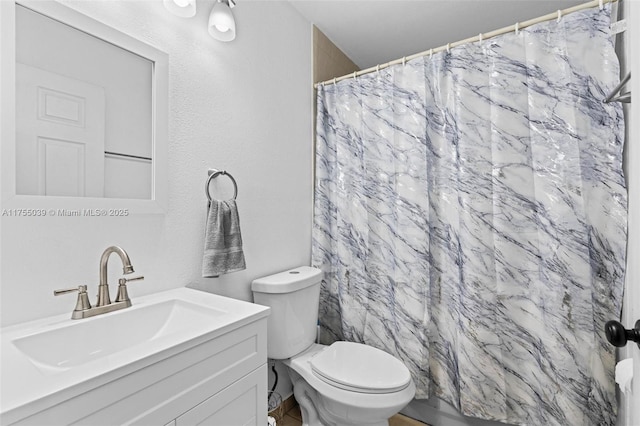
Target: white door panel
x=60 y=135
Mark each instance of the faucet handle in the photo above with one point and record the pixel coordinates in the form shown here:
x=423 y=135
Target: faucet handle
x=123 y=280
x=80 y=289
x=123 y=296
x=82 y=304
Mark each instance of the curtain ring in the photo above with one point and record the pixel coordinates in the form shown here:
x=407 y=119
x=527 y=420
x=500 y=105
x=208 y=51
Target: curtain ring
x=334 y=81
x=480 y=38
x=378 y=68
x=448 y=47
x=355 y=75
x=517 y=28
x=431 y=53
x=404 y=60
x=559 y=15
x=601 y=4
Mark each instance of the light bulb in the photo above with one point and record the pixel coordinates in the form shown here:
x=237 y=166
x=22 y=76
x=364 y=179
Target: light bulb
x=182 y=8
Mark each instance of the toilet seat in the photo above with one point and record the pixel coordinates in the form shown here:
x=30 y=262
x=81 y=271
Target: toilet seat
x=360 y=368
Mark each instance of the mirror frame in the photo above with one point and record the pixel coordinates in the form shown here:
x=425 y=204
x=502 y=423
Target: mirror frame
x=160 y=80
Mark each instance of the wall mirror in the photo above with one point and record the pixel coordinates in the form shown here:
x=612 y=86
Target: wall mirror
x=84 y=112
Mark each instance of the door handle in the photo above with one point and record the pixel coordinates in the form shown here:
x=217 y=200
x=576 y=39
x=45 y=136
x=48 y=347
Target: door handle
x=618 y=336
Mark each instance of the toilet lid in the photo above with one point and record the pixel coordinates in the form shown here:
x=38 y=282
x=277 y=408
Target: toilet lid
x=360 y=368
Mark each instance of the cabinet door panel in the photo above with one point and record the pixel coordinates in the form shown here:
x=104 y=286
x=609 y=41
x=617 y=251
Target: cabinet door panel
x=244 y=403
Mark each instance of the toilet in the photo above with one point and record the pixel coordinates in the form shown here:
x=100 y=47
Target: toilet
x=342 y=384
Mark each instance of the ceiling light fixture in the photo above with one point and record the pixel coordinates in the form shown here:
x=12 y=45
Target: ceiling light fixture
x=182 y=8
x=222 y=26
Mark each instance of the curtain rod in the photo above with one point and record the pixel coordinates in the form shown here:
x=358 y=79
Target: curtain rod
x=482 y=36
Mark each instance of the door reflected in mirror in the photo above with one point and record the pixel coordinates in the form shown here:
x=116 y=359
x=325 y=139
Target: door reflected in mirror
x=84 y=113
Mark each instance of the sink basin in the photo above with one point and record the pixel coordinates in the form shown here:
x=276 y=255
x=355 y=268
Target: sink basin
x=54 y=359
x=82 y=341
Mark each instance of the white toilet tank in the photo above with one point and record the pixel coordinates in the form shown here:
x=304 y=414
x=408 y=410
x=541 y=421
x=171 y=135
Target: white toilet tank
x=293 y=297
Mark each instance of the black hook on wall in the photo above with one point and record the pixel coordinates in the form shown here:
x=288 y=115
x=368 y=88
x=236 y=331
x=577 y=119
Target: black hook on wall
x=618 y=336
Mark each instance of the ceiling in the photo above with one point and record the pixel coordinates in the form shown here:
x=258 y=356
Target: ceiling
x=373 y=32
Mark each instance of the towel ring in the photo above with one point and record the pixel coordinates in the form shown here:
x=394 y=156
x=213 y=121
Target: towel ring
x=214 y=174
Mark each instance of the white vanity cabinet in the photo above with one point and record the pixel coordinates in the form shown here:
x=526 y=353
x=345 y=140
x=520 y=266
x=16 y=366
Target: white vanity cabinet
x=222 y=382
x=218 y=378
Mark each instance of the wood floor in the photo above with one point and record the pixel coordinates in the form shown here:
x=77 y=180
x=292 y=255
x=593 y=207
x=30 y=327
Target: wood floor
x=294 y=418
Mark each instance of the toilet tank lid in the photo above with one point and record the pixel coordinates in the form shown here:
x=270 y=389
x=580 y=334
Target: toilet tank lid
x=288 y=281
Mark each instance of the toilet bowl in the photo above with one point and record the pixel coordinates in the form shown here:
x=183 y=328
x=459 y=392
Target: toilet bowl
x=368 y=395
x=342 y=384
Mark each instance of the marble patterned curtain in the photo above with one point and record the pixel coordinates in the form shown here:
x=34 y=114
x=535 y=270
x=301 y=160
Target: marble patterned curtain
x=471 y=220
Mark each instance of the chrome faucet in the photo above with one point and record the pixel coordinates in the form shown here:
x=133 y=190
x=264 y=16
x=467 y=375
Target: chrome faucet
x=83 y=308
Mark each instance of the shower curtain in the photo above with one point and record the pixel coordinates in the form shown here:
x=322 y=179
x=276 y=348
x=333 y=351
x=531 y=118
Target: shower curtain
x=470 y=219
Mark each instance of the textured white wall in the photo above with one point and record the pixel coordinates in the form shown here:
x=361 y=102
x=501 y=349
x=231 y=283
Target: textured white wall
x=243 y=106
